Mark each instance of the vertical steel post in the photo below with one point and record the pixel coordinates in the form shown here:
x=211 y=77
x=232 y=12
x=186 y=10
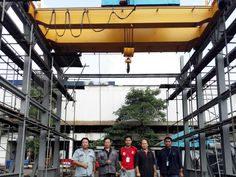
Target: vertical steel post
x=187 y=156
x=223 y=109
x=26 y=87
x=201 y=123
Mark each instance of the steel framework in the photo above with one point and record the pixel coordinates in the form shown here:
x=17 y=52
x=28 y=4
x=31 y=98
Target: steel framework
x=181 y=29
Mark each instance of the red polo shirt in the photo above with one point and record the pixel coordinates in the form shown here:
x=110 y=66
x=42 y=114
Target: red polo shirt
x=127 y=155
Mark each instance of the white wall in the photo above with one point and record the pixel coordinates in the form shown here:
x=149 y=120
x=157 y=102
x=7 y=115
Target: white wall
x=3 y=144
x=112 y=97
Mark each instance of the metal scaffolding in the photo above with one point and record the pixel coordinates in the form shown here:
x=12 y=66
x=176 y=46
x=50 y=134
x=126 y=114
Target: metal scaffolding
x=203 y=90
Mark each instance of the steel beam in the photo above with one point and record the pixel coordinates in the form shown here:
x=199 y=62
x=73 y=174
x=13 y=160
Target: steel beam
x=203 y=44
x=212 y=72
x=231 y=31
x=41 y=41
x=5 y=49
x=20 y=117
x=18 y=36
x=157 y=75
x=207 y=128
x=8 y=86
x=160 y=29
x=155 y=16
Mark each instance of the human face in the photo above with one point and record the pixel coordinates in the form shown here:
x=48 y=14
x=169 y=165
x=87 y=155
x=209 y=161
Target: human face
x=168 y=143
x=144 y=144
x=128 y=142
x=85 y=144
x=107 y=143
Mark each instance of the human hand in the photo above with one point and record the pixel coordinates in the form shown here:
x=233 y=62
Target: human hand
x=181 y=174
x=85 y=165
x=138 y=174
x=108 y=161
x=155 y=174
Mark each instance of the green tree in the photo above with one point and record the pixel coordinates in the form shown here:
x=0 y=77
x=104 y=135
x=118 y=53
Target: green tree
x=141 y=108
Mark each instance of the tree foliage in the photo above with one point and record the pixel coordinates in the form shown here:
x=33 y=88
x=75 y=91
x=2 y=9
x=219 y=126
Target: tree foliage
x=141 y=108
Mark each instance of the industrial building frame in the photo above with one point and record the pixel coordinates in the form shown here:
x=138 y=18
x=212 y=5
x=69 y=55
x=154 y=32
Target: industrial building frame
x=189 y=83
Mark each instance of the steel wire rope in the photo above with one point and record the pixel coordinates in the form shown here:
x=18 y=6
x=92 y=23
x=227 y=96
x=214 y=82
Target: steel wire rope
x=100 y=95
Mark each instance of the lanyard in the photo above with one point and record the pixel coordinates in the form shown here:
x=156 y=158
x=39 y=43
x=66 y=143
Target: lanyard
x=167 y=158
x=169 y=154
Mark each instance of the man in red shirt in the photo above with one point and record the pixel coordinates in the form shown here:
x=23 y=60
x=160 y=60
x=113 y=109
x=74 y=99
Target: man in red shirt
x=127 y=157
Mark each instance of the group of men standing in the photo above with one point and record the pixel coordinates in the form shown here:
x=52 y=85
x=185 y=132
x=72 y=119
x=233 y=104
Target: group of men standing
x=129 y=162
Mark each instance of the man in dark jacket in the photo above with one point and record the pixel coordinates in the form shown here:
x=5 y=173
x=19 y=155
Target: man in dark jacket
x=169 y=160
x=108 y=160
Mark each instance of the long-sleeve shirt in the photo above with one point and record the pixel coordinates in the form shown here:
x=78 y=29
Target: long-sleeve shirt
x=169 y=161
x=145 y=162
x=104 y=167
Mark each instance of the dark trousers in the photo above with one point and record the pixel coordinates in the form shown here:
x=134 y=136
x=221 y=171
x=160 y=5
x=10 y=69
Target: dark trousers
x=108 y=175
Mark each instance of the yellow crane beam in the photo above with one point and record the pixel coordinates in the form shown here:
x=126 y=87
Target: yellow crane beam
x=170 y=28
x=139 y=17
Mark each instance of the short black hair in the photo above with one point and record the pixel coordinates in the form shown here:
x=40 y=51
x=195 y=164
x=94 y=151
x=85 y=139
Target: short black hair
x=85 y=138
x=145 y=140
x=107 y=138
x=168 y=138
x=128 y=136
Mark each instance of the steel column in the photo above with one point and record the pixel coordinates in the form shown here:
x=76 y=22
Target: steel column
x=223 y=110
x=56 y=153
x=201 y=123
x=26 y=87
x=43 y=133
x=187 y=156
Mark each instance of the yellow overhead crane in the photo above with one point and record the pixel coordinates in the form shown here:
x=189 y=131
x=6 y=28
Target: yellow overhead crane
x=110 y=29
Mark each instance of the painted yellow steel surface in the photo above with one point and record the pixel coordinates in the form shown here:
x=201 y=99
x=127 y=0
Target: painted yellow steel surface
x=153 y=26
